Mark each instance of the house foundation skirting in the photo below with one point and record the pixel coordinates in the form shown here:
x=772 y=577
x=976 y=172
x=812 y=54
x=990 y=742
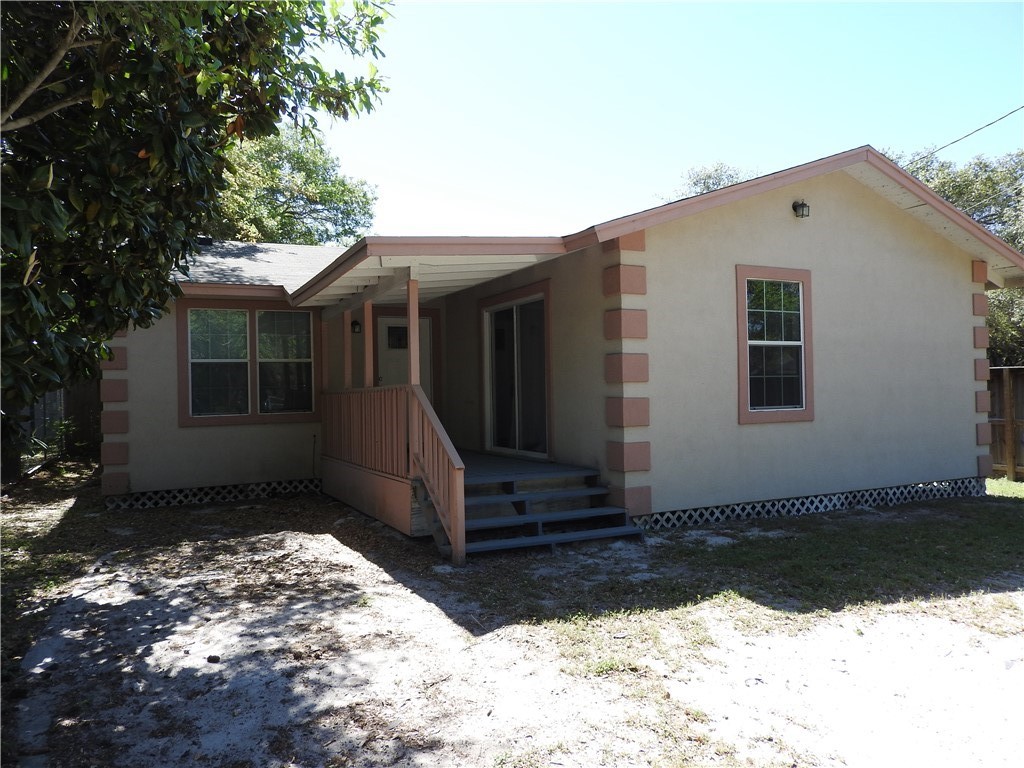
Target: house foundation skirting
x=212 y=494
x=805 y=505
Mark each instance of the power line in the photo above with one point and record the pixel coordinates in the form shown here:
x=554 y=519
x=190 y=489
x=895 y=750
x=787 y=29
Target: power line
x=1003 y=190
x=955 y=141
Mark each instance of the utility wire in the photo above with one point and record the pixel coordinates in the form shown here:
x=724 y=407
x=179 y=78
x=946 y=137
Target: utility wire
x=955 y=141
x=1010 y=189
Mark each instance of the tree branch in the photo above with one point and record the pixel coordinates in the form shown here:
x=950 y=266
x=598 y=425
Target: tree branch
x=78 y=98
x=74 y=28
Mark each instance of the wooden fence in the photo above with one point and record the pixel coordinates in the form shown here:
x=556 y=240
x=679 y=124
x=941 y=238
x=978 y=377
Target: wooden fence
x=1007 y=420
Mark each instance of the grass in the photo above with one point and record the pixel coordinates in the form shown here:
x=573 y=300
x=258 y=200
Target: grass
x=1004 y=488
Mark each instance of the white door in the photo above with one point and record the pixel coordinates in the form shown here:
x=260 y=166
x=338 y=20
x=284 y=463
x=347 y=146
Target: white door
x=393 y=353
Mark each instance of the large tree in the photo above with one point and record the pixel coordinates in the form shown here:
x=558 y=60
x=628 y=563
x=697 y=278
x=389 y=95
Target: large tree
x=288 y=188
x=114 y=123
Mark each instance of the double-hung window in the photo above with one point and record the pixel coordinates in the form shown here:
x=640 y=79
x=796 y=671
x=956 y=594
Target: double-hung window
x=774 y=351
x=285 y=348
x=247 y=365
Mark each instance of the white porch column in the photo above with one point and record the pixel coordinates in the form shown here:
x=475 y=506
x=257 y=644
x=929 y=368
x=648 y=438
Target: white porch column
x=413 y=313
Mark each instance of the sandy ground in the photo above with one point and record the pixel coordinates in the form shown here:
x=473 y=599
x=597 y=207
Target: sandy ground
x=291 y=649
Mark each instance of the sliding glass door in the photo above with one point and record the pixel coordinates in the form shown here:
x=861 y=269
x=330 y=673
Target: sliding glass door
x=517 y=378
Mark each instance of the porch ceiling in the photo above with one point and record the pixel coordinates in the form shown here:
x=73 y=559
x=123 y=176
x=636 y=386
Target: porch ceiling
x=378 y=268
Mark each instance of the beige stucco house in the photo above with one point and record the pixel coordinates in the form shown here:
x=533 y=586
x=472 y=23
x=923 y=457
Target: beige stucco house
x=813 y=339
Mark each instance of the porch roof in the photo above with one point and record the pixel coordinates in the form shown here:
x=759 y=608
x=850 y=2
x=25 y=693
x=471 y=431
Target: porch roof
x=378 y=268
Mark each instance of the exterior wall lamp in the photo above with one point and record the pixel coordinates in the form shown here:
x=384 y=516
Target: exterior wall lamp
x=357 y=327
x=801 y=209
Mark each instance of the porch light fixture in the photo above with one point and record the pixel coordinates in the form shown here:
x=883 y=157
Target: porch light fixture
x=801 y=209
x=357 y=327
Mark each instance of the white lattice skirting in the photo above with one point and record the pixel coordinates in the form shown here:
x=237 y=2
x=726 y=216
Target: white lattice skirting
x=805 y=505
x=212 y=494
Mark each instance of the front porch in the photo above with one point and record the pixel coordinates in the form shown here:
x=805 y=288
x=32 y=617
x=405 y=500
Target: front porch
x=386 y=453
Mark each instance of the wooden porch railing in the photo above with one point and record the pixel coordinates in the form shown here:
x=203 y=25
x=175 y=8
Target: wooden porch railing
x=369 y=428
x=395 y=431
x=438 y=464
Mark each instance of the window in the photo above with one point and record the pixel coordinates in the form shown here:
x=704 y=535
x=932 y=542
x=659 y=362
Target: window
x=285 y=361
x=773 y=312
x=243 y=365
x=219 y=361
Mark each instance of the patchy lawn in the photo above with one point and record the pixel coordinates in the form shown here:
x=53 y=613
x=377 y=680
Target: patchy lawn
x=296 y=632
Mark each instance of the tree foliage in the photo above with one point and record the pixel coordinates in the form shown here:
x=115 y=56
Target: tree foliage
x=708 y=178
x=114 y=123
x=288 y=188
x=988 y=190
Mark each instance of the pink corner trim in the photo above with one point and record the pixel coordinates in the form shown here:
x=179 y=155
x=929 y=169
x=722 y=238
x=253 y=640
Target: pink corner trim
x=622 y=279
x=114 y=390
x=113 y=422
x=113 y=453
x=982 y=401
x=985 y=465
x=979 y=272
x=981 y=337
x=628 y=457
x=984 y=433
x=981 y=370
x=115 y=483
x=634 y=241
x=625 y=324
x=980 y=304
x=627 y=411
x=119 y=361
x=631 y=367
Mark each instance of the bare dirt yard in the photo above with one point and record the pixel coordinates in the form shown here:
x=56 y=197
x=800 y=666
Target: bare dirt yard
x=297 y=632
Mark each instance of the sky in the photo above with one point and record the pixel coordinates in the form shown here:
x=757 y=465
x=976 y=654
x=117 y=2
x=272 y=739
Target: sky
x=544 y=118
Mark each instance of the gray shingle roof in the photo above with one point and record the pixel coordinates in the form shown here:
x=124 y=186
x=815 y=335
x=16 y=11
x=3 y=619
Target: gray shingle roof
x=292 y=266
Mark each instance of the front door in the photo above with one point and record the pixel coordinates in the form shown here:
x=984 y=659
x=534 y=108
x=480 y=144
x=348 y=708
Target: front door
x=393 y=353
x=517 y=378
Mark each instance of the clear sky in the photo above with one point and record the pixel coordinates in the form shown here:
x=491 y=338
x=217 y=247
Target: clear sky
x=543 y=118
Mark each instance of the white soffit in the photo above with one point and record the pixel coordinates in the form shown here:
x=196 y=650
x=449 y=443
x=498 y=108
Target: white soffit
x=383 y=278
x=1001 y=270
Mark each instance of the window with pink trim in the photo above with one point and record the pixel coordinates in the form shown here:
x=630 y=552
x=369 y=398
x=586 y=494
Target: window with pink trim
x=245 y=364
x=774 y=345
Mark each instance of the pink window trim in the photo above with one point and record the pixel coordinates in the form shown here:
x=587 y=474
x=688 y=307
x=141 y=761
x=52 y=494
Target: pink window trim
x=185 y=417
x=746 y=415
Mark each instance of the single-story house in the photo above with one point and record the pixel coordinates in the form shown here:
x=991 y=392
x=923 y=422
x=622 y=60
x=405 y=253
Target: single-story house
x=809 y=340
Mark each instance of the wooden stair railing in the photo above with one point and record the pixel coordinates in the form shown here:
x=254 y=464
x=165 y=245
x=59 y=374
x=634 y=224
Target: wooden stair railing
x=433 y=457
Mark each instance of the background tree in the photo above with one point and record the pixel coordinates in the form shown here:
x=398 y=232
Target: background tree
x=288 y=188
x=114 y=121
x=708 y=178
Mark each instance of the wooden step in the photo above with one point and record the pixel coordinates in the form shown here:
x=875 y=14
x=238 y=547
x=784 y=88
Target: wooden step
x=568 y=537
x=558 y=494
x=543 y=472
x=510 y=521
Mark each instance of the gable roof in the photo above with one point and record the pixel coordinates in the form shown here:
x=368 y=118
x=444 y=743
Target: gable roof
x=867 y=166
x=377 y=268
